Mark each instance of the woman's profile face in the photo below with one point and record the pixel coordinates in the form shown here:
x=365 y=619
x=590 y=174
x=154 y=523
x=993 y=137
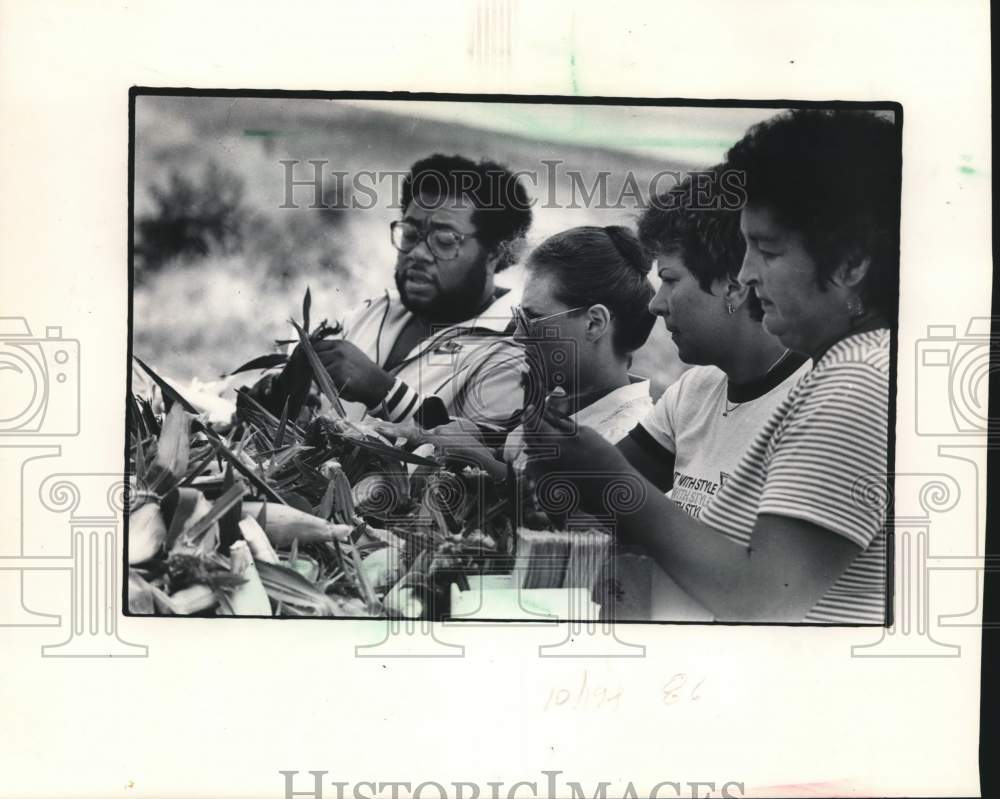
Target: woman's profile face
x=553 y=338
x=803 y=316
x=696 y=319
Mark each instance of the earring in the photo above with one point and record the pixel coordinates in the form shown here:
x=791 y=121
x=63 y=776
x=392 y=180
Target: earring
x=856 y=307
x=730 y=308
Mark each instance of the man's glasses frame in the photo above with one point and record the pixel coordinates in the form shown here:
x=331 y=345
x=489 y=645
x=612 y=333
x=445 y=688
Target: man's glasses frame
x=424 y=235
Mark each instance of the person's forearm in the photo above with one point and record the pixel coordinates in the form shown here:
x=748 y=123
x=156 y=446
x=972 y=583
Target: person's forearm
x=711 y=567
x=658 y=468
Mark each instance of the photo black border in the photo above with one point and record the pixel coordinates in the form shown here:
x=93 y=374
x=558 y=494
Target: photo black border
x=527 y=99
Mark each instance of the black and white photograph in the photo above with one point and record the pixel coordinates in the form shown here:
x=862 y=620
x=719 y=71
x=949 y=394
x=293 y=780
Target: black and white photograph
x=487 y=399
x=512 y=358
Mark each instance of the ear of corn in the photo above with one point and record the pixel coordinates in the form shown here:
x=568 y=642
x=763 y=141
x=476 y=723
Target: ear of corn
x=201 y=510
x=382 y=568
x=192 y=599
x=146 y=533
x=250 y=598
x=343 y=499
x=285 y=524
x=296 y=594
x=385 y=536
x=303 y=564
x=402 y=602
x=425 y=450
x=366 y=587
x=140 y=595
x=256 y=538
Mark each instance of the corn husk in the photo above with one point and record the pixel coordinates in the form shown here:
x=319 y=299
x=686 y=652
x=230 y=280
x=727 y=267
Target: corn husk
x=382 y=568
x=202 y=507
x=146 y=533
x=378 y=494
x=284 y=525
x=402 y=602
x=425 y=450
x=250 y=598
x=342 y=495
x=174 y=446
x=140 y=595
x=192 y=599
x=306 y=566
x=260 y=544
x=385 y=536
x=298 y=597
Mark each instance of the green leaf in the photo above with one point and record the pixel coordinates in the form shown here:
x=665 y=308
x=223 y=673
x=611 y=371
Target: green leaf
x=219 y=508
x=268 y=361
x=279 y=436
x=319 y=371
x=169 y=392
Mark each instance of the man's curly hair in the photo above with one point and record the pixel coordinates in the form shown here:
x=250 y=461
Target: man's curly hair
x=503 y=208
x=833 y=176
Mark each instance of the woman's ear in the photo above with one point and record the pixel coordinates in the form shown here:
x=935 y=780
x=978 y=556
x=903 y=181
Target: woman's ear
x=735 y=293
x=852 y=271
x=598 y=322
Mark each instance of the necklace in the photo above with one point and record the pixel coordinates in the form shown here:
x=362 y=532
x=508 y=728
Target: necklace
x=736 y=405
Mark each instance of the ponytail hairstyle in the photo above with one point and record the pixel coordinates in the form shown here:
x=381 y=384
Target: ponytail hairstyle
x=602 y=265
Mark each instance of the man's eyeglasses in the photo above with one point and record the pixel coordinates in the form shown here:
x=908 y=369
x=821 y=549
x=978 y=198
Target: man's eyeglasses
x=524 y=323
x=444 y=243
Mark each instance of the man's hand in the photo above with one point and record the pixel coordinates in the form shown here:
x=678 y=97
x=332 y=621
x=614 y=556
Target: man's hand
x=356 y=377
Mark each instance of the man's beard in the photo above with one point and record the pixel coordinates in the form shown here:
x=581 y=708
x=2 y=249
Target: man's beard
x=456 y=305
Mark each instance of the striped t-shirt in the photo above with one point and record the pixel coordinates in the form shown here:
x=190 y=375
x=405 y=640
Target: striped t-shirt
x=824 y=446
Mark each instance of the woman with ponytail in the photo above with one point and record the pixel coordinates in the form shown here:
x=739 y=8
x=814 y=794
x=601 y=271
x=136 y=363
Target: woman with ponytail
x=584 y=311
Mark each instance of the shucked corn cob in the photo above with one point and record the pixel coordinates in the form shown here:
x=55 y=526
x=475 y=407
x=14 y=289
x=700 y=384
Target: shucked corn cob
x=188 y=600
x=260 y=544
x=383 y=568
x=284 y=525
x=250 y=598
x=146 y=533
x=299 y=597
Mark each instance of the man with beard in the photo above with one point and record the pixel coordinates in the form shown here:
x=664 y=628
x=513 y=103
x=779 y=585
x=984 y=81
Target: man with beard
x=439 y=347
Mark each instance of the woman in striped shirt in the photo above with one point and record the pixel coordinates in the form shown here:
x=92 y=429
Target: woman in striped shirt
x=795 y=534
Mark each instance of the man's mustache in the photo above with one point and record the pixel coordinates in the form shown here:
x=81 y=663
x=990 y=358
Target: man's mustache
x=417 y=272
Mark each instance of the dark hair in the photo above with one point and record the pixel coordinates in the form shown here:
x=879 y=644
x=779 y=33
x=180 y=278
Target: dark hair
x=503 y=209
x=605 y=265
x=697 y=221
x=833 y=176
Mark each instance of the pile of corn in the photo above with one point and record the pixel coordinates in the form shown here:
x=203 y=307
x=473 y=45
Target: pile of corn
x=262 y=517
